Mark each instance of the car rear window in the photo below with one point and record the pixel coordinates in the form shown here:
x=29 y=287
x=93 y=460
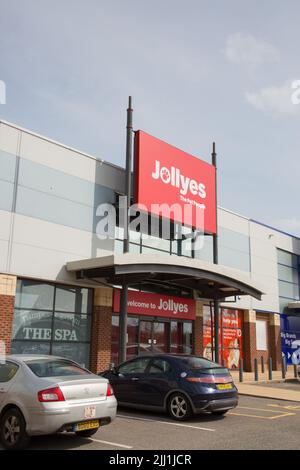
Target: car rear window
x=55 y=368
x=200 y=363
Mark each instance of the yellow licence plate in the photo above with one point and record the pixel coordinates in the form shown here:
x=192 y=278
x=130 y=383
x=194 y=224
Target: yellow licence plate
x=87 y=425
x=224 y=386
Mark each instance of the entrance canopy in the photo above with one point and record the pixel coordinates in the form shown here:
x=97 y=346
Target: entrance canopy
x=173 y=275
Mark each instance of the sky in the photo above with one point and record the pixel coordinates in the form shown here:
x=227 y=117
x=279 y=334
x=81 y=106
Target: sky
x=198 y=71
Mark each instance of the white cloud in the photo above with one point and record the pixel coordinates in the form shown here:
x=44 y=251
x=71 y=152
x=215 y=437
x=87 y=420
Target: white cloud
x=274 y=100
x=245 y=49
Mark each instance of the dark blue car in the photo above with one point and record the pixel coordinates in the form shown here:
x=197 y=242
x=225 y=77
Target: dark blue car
x=179 y=384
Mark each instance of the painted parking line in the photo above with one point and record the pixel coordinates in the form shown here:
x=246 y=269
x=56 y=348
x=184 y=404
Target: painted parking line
x=123 y=446
x=278 y=413
x=257 y=409
x=200 y=428
x=286 y=407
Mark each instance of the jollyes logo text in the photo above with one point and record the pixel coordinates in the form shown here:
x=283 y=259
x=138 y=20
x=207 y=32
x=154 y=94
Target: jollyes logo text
x=174 y=177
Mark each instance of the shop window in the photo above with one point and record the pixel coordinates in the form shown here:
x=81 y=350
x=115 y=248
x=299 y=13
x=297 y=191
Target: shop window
x=52 y=319
x=230 y=336
x=187 y=338
x=132 y=338
x=72 y=299
x=71 y=327
x=30 y=347
x=34 y=295
x=146 y=335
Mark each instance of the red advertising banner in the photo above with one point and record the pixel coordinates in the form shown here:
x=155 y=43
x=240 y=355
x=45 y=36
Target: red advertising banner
x=166 y=176
x=231 y=318
x=230 y=336
x=144 y=303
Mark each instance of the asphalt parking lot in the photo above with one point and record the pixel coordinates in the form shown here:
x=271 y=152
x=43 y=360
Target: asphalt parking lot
x=257 y=423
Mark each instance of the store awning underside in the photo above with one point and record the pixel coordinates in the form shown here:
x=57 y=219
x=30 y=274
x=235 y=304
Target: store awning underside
x=166 y=274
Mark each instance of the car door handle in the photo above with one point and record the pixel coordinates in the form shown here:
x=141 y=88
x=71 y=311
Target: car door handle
x=135 y=378
x=2 y=390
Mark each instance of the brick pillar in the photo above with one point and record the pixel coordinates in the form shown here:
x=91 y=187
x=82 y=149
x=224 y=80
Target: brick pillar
x=274 y=340
x=249 y=339
x=198 y=330
x=101 y=329
x=7 y=302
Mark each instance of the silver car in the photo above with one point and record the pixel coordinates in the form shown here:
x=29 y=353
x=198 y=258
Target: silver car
x=48 y=394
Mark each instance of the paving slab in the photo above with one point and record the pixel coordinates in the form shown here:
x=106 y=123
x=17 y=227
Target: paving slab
x=268 y=391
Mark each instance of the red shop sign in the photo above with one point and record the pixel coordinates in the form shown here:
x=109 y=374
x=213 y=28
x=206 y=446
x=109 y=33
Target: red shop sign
x=144 y=303
x=166 y=176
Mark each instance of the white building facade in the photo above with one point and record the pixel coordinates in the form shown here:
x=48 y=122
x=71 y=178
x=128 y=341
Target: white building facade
x=49 y=195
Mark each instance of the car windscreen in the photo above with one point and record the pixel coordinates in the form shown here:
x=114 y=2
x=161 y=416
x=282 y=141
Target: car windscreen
x=203 y=365
x=55 y=368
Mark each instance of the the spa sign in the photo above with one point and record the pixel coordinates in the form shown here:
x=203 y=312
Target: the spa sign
x=45 y=334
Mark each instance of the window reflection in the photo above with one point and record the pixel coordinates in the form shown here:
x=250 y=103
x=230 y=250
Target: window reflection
x=52 y=319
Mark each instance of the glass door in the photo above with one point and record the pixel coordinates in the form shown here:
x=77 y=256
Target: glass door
x=145 y=340
x=160 y=337
x=154 y=336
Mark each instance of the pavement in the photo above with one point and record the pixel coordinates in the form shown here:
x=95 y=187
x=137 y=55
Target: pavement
x=278 y=388
x=272 y=391
x=249 y=426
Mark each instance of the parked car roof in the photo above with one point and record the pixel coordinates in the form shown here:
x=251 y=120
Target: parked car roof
x=27 y=357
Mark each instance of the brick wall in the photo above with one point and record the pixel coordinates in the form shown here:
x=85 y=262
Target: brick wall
x=249 y=340
x=273 y=340
x=101 y=338
x=101 y=330
x=198 y=336
x=7 y=303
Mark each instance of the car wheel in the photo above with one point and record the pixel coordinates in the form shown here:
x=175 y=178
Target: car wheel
x=13 y=430
x=179 y=407
x=86 y=433
x=219 y=412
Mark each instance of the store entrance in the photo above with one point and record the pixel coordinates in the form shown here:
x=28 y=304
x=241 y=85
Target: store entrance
x=154 y=336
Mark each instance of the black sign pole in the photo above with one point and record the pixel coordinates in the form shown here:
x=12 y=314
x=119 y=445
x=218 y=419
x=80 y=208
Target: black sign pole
x=124 y=291
x=216 y=260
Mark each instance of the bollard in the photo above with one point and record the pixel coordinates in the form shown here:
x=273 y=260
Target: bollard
x=270 y=369
x=283 y=367
x=295 y=371
x=262 y=365
x=241 y=370
x=256 y=370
